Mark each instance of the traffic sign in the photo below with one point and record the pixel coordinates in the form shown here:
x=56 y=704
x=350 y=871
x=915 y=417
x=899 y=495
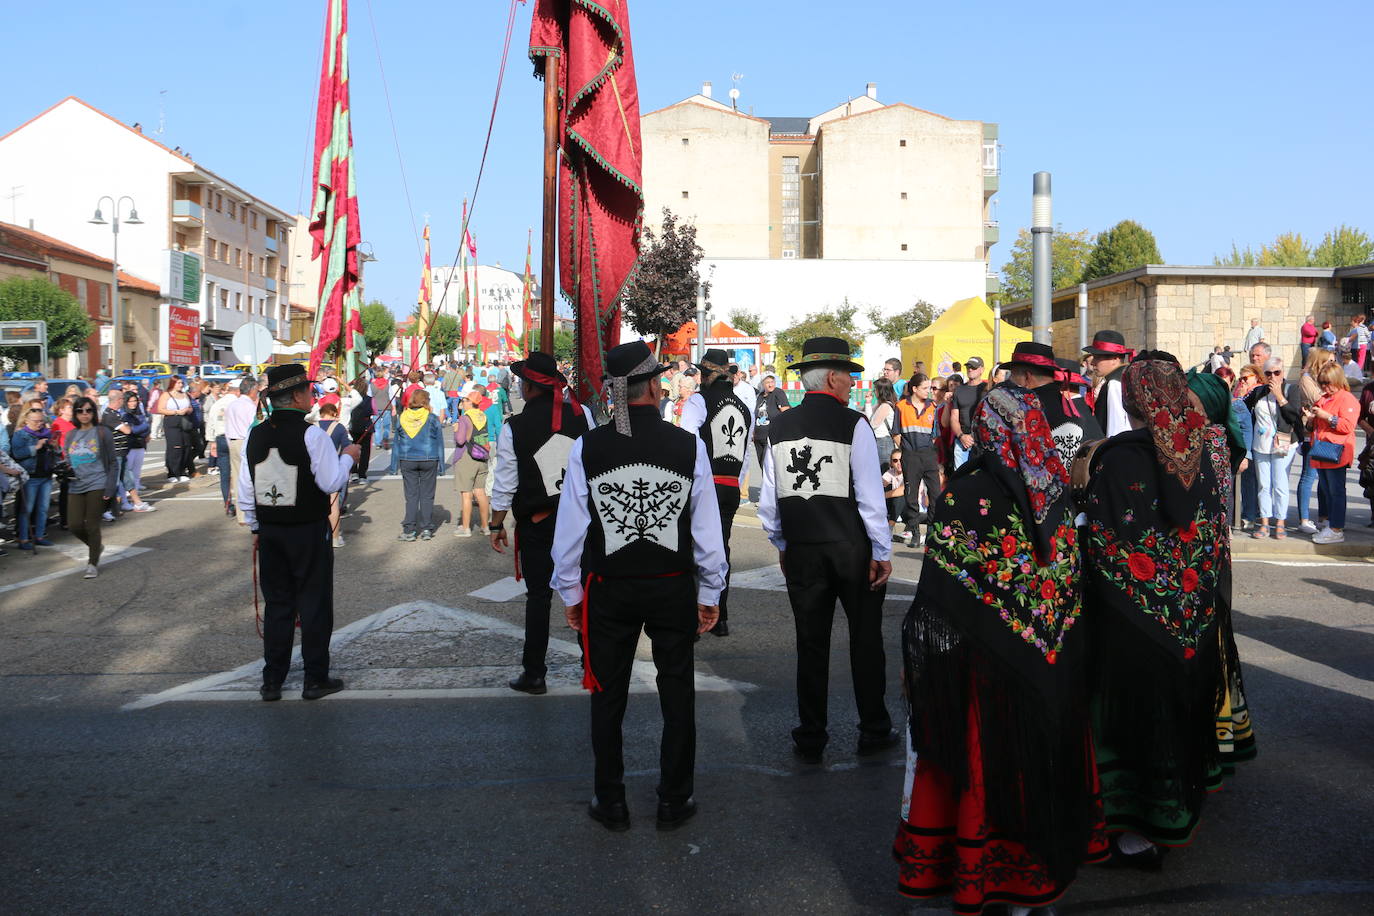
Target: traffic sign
x=252 y=343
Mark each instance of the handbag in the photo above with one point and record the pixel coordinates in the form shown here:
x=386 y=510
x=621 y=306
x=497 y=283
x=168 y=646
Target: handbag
x=1325 y=450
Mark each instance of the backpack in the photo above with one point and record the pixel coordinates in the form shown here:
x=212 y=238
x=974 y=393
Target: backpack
x=479 y=446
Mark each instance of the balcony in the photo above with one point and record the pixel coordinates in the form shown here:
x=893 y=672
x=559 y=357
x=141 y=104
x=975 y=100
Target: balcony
x=993 y=283
x=990 y=232
x=270 y=243
x=187 y=213
x=270 y=284
x=991 y=180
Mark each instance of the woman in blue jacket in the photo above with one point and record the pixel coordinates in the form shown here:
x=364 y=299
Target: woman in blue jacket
x=419 y=455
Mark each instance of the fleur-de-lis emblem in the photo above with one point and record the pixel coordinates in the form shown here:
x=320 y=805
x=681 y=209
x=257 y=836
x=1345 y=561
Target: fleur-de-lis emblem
x=732 y=430
x=274 y=494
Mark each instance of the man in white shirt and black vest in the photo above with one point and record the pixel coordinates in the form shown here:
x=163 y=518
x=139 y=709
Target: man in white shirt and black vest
x=531 y=459
x=288 y=470
x=637 y=547
x=822 y=507
x=1034 y=367
x=1109 y=355
x=721 y=419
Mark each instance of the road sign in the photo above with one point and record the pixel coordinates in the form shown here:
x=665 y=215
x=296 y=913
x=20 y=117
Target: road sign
x=183 y=336
x=252 y=343
x=26 y=334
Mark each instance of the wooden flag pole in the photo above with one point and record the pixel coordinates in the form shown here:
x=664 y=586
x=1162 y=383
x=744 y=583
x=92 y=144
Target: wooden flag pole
x=550 y=228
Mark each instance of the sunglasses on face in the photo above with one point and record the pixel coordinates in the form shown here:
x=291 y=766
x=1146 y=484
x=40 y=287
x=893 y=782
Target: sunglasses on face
x=84 y=410
x=1274 y=372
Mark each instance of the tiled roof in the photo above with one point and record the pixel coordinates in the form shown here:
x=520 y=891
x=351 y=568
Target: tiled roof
x=30 y=240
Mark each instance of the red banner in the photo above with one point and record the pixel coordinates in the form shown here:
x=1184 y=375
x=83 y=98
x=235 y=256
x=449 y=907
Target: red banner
x=183 y=336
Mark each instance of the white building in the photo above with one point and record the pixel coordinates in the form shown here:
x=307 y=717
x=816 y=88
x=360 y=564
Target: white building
x=71 y=155
x=498 y=293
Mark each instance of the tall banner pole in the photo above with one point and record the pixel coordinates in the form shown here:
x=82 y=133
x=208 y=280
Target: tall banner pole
x=550 y=226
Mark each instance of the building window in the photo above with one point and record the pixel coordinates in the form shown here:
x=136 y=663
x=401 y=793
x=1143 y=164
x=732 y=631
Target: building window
x=224 y=299
x=904 y=246
x=903 y=195
x=791 y=207
x=253 y=219
x=1357 y=292
x=238 y=257
x=901 y=143
x=238 y=302
x=990 y=165
x=102 y=298
x=252 y=261
x=243 y=216
x=210 y=247
x=685 y=141
x=233 y=210
x=181 y=241
x=684 y=195
x=219 y=203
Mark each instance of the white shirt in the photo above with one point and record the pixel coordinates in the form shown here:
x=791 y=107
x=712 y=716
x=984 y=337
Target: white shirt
x=238 y=417
x=570 y=531
x=694 y=417
x=1117 y=419
x=864 y=470
x=214 y=417
x=748 y=394
x=506 y=476
x=329 y=468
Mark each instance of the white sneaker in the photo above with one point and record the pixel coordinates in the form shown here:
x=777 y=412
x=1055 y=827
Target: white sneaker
x=1323 y=525
x=461 y=532
x=107 y=516
x=338 y=541
x=911 y=537
x=1307 y=527
x=1328 y=536
x=91 y=571
x=145 y=507
x=214 y=469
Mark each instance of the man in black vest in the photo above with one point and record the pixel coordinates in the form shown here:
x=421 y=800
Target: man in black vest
x=288 y=470
x=822 y=507
x=1033 y=366
x=722 y=420
x=531 y=458
x=638 y=517
x=1108 y=355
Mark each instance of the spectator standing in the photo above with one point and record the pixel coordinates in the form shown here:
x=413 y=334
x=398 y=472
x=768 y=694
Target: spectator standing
x=178 y=424
x=136 y=415
x=1255 y=334
x=338 y=435
x=438 y=399
x=1367 y=456
x=966 y=398
x=1277 y=410
x=1332 y=422
x=1358 y=339
x=1311 y=393
x=771 y=404
x=360 y=425
x=1248 y=492
x=472 y=443
x=1354 y=375
x=219 y=443
x=154 y=398
x=892 y=371
x=1307 y=337
x=686 y=387
x=61 y=425
x=419 y=453
x=90 y=451
x=238 y=420
x=920 y=463
x=112 y=418
x=32 y=445
x=453 y=382
x=1327 y=338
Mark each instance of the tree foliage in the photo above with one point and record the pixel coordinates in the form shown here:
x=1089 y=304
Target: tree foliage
x=1290 y=249
x=37 y=299
x=379 y=327
x=663 y=295
x=1342 y=247
x=828 y=322
x=1125 y=246
x=903 y=324
x=1068 y=257
x=563 y=346
x=443 y=337
x=1238 y=257
x=746 y=322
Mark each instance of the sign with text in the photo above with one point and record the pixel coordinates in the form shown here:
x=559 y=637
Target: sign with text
x=183 y=336
x=182 y=276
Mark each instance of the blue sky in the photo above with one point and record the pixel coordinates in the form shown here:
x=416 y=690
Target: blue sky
x=1208 y=122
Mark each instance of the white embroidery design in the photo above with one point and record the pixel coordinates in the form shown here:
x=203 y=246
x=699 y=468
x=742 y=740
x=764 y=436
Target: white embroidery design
x=1067 y=438
x=274 y=482
x=552 y=461
x=639 y=502
x=730 y=432
x=811 y=467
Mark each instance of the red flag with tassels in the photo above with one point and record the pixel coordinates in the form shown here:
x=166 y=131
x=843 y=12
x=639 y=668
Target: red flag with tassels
x=601 y=199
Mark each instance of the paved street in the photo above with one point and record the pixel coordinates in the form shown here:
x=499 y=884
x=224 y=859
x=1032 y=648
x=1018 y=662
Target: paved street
x=140 y=774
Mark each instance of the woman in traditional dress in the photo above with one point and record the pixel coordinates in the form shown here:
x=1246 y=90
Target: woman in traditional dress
x=1001 y=803
x=1158 y=583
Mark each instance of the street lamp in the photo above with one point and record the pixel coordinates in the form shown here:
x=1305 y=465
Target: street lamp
x=117 y=332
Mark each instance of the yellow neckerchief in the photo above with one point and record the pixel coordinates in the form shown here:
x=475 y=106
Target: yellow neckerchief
x=478 y=418
x=413 y=420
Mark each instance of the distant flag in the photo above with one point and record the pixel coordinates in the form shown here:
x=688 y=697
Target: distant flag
x=528 y=297
x=334 y=226
x=508 y=340
x=463 y=248
x=476 y=298
x=426 y=299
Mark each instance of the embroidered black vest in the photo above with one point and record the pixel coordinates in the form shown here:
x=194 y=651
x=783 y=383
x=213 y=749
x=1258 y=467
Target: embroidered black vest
x=283 y=484
x=541 y=456
x=638 y=492
x=810 y=445
x=1069 y=432
x=1100 y=407
x=726 y=430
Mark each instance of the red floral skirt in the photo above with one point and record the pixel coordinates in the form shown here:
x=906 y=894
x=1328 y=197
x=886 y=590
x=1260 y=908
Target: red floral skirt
x=945 y=845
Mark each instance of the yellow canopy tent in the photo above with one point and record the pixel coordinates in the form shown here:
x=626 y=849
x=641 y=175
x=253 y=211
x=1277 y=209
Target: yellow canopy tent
x=962 y=330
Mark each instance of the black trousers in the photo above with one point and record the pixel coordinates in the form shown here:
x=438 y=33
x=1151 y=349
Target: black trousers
x=536 y=568
x=818 y=575
x=727 y=497
x=919 y=465
x=418 y=479
x=180 y=459
x=365 y=444
x=666 y=609
x=296 y=572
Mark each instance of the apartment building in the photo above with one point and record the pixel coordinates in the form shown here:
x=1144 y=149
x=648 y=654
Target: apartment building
x=70 y=157
x=877 y=204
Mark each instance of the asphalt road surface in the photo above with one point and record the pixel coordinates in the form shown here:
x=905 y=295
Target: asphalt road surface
x=138 y=773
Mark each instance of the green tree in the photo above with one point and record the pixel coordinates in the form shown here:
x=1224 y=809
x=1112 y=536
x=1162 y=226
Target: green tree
x=1342 y=247
x=1068 y=256
x=1290 y=249
x=828 y=322
x=379 y=327
x=37 y=299
x=1125 y=246
x=746 y=322
x=663 y=295
x=563 y=346
x=443 y=336
x=903 y=324
x=1237 y=258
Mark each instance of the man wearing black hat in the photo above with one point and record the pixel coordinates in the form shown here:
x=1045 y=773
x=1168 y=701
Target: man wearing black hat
x=1033 y=366
x=288 y=471
x=721 y=420
x=637 y=518
x=1108 y=355
x=531 y=459
x=822 y=507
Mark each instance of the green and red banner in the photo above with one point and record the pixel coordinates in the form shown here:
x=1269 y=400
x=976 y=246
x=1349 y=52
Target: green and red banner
x=601 y=198
x=334 y=223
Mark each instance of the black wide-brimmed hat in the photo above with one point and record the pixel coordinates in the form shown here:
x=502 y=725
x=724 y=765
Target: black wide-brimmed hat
x=718 y=357
x=1108 y=343
x=632 y=361
x=1071 y=372
x=831 y=352
x=1031 y=355
x=285 y=378
x=540 y=368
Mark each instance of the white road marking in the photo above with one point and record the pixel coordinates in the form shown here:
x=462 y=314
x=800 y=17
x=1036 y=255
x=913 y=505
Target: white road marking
x=506 y=589
x=111 y=554
x=242 y=682
x=1314 y=561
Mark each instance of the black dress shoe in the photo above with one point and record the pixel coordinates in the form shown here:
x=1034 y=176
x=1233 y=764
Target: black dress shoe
x=614 y=816
x=1151 y=859
x=720 y=629
x=270 y=692
x=876 y=744
x=316 y=689
x=672 y=816
x=528 y=683
x=806 y=755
